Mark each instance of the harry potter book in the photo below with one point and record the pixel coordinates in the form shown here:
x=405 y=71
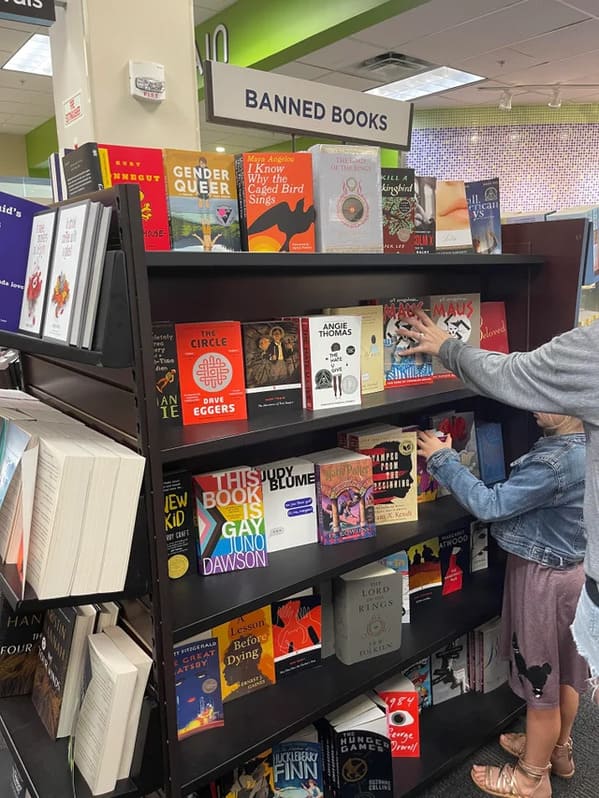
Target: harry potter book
x=371 y=351
x=425 y=571
x=19 y=641
x=454 y=555
x=453 y=220
x=485 y=215
x=179 y=524
x=425 y=212
x=459 y=316
x=297 y=769
x=402 y=369
x=197 y=685
x=168 y=399
x=289 y=496
x=296 y=626
x=398 y=210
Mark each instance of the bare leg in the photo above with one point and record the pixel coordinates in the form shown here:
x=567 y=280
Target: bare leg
x=568 y=706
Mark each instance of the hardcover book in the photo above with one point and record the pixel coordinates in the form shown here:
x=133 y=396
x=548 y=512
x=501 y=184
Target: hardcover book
x=453 y=220
x=425 y=213
x=373 y=774
x=289 y=496
x=168 y=398
x=454 y=554
x=479 y=546
x=202 y=201
x=425 y=571
x=276 y=201
x=372 y=375
x=347 y=197
x=179 y=524
x=485 y=215
x=210 y=361
x=493 y=327
x=19 y=642
x=459 y=316
x=36 y=275
x=296 y=627
x=420 y=676
x=491 y=459
x=399 y=203
x=82 y=170
x=449 y=669
x=408 y=369
x=245 y=648
x=272 y=358
x=230 y=520
x=297 y=770
x=399 y=562
x=197 y=684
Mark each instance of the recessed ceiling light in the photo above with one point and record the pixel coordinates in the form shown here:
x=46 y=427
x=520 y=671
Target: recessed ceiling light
x=431 y=82
x=33 y=57
x=220 y=148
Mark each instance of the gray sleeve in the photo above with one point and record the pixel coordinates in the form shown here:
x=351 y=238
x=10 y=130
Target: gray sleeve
x=562 y=376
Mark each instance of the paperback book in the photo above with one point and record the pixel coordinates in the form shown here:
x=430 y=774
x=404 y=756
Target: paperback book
x=166 y=372
x=297 y=769
x=37 y=272
x=19 y=642
x=458 y=315
x=449 y=669
x=372 y=375
x=289 y=496
x=197 y=685
x=462 y=429
x=296 y=627
x=179 y=525
x=374 y=773
x=491 y=459
x=399 y=562
x=253 y=778
x=420 y=676
x=493 y=669
x=479 y=546
x=493 y=327
x=399 y=203
x=485 y=215
x=403 y=369
x=454 y=554
x=452 y=219
x=425 y=213
x=425 y=571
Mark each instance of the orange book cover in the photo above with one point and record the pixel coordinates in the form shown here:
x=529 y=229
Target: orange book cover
x=144 y=166
x=276 y=201
x=211 y=379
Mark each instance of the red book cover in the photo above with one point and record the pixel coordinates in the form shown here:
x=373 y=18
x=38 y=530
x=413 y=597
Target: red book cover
x=493 y=327
x=144 y=166
x=211 y=381
x=403 y=722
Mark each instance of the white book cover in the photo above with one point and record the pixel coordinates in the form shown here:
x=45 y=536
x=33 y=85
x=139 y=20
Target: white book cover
x=84 y=627
x=479 y=546
x=449 y=670
x=66 y=263
x=331 y=361
x=36 y=276
x=495 y=670
x=90 y=311
x=289 y=497
x=85 y=272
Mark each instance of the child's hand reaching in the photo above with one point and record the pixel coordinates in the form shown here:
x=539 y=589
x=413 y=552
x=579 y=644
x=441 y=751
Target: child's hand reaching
x=429 y=443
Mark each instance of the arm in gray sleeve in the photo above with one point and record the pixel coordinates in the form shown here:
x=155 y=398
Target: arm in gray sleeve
x=562 y=376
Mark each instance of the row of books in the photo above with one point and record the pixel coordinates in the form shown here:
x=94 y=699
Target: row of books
x=227 y=371
x=68 y=501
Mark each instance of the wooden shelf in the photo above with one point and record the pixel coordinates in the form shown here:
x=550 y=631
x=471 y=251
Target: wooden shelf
x=202 y=602
x=278 y=711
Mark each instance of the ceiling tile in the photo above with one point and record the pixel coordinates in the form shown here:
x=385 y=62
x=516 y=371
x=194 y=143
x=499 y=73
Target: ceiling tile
x=497 y=62
x=348 y=81
x=579 y=38
x=11 y=39
x=342 y=53
x=587 y=6
x=297 y=69
x=568 y=70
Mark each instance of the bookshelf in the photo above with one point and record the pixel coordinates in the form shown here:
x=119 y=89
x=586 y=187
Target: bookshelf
x=117 y=398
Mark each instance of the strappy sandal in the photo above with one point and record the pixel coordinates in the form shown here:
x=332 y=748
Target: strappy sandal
x=562 y=759
x=502 y=781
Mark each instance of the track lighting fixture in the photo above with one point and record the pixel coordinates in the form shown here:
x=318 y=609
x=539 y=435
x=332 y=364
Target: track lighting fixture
x=556 y=98
x=505 y=101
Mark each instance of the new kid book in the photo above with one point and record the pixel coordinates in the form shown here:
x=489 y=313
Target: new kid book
x=179 y=525
x=272 y=359
x=459 y=316
x=347 y=197
x=372 y=374
x=202 y=201
x=489 y=444
x=19 y=641
x=276 y=201
x=289 y=496
x=168 y=397
x=297 y=636
x=197 y=686
x=420 y=676
x=210 y=362
x=399 y=563
x=485 y=215
x=493 y=327
x=425 y=212
x=297 y=769
x=399 y=204
x=230 y=520
x=245 y=648
x=37 y=272
x=425 y=571
x=410 y=369
x=454 y=554
x=452 y=220
x=449 y=670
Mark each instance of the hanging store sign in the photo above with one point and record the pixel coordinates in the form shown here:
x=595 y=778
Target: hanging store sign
x=37 y=12
x=252 y=98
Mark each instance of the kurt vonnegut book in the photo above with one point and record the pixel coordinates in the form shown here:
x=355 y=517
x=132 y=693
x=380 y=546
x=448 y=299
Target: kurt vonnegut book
x=297 y=769
x=276 y=202
x=202 y=200
x=408 y=369
x=230 y=520
x=166 y=372
x=459 y=316
x=197 y=686
x=485 y=215
x=289 y=495
x=296 y=626
x=179 y=526
x=398 y=210
x=371 y=355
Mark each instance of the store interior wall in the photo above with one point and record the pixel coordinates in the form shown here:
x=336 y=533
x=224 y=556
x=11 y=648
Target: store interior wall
x=13 y=156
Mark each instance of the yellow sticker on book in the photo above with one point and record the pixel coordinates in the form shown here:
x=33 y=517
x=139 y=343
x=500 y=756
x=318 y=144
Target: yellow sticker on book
x=178 y=565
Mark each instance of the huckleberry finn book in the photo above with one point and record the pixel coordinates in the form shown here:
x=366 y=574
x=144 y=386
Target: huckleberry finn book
x=297 y=769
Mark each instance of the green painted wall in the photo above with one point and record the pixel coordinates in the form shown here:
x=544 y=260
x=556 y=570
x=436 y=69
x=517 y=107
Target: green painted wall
x=41 y=143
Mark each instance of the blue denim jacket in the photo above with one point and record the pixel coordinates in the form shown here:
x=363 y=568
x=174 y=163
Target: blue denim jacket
x=537 y=511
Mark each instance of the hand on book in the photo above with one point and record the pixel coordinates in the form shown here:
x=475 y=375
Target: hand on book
x=429 y=338
x=429 y=442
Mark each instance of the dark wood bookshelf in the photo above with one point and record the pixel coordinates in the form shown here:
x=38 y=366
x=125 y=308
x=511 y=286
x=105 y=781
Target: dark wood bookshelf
x=38 y=346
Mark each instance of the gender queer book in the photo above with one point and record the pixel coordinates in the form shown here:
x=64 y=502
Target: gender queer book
x=425 y=213
x=425 y=571
x=202 y=201
x=344 y=496
x=479 y=546
x=398 y=210
x=36 y=275
x=449 y=670
x=168 y=398
x=197 y=685
x=211 y=380
x=276 y=201
x=399 y=563
x=454 y=554
x=245 y=649
x=458 y=315
x=230 y=520
x=297 y=769
x=19 y=642
x=485 y=215
x=289 y=496
x=420 y=676
x=371 y=352
x=179 y=525
x=331 y=361
x=297 y=635
x=273 y=375
x=453 y=220
x=491 y=459
x=347 y=197
x=408 y=369
x=493 y=327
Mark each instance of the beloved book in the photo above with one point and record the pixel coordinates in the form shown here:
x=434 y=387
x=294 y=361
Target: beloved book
x=449 y=670
x=210 y=362
x=168 y=398
x=459 y=316
x=452 y=217
x=420 y=675
x=297 y=769
x=399 y=562
x=372 y=375
x=493 y=327
x=331 y=361
x=202 y=201
x=425 y=212
x=179 y=525
x=479 y=546
x=289 y=496
x=272 y=359
x=403 y=369
x=245 y=648
x=454 y=555
x=230 y=520
x=254 y=777
x=347 y=197
x=19 y=642
x=399 y=204
x=485 y=215
x=36 y=275
x=425 y=571
x=344 y=496
x=489 y=444
x=197 y=685
x=296 y=629
x=276 y=201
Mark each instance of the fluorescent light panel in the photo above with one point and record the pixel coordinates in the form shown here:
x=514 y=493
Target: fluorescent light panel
x=431 y=82
x=33 y=57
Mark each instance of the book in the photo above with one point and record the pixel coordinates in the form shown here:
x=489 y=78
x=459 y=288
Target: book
x=425 y=214
x=81 y=287
x=409 y=369
x=296 y=629
x=361 y=764
x=36 y=274
x=479 y=546
x=113 y=321
x=246 y=654
x=20 y=635
x=347 y=198
x=230 y=520
x=289 y=497
x=297 y=769
x=420 y=675
x=17 y=784
x=452 y=217
x=461 y=427
x=403 y=718
x=425 y=571
x=179 y=524
x=459 y=316
x=485 y=215
x=211 y=379
x=202 y=201
x=331 y=361
x=107 y=615
x=344 y=496
x=197 y=685
x=325 y=591
x=489 y=447
x=493 y=327
x=493 y=668
x=168 y=398
x=372 y=375
x=272 y=360
x=367 y=613
x=399 y=204
x=427 y=487
x=82 y=170
x=94 y=288
x=449 y=670
x=399 y=562
x=57 y=176
x=454 y=555
x=253 y=778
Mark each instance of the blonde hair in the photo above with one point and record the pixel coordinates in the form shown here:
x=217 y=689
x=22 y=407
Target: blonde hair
x=562 y=425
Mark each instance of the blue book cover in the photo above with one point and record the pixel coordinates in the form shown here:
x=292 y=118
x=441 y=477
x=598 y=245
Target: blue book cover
x=420 y=676
x=297 y=770
x=16 y=220
x=491 y=460
x=197 y=684
x=485 y=215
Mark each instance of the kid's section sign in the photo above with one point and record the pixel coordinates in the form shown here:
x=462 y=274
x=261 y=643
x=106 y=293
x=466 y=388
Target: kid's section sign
x=252 y=98
x=37 y=12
